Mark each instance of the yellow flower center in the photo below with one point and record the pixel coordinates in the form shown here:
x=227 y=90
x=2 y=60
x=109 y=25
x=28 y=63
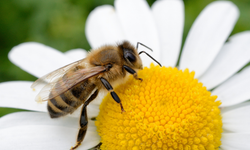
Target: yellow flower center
x=168 y=110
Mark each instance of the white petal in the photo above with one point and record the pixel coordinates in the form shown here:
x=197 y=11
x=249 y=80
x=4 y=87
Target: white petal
x=207 y=35
x=169 y=17
x=18 y=94
x=36 y=118
x=235 y=141
x=235 y=90
x=40 y=118
x=236 y=118
x=233 y=56
x=76 y=54
x=40 y=137
x=33 y=130
x=103 y=27
x=138 y=25
x=37 y=59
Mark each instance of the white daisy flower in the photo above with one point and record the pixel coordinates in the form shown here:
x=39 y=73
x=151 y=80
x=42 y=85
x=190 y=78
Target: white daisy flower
x=215 y=62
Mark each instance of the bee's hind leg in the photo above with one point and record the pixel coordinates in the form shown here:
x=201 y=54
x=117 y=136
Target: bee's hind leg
x=84 y=121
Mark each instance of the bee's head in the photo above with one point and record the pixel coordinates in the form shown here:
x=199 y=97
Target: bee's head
x=130 y=55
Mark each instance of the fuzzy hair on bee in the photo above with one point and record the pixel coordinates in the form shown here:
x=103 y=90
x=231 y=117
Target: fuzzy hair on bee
x=79 y=83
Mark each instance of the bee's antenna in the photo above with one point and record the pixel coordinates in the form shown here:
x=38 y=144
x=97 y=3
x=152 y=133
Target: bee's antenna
x=150 y=57
x=137 y=45
x=146 y=52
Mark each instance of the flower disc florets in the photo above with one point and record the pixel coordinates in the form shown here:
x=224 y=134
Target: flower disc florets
x=168 y=110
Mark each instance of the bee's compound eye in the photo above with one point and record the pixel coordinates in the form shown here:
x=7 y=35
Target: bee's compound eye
x=130 y=57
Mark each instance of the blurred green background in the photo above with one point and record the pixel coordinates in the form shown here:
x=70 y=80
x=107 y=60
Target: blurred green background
x=61 y=24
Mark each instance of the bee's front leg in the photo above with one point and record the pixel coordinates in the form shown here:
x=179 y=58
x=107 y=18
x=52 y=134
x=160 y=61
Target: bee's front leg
x=84 y=121
x=131 y=71
x=110 y=89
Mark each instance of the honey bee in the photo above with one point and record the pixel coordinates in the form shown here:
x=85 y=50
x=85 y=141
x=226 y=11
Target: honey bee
x=78 y=83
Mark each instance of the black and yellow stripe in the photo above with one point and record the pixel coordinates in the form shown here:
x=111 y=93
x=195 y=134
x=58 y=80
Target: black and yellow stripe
x=70 y=100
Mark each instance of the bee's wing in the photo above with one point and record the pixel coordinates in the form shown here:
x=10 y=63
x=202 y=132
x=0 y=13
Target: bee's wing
x=68 y=81
x=55 y=75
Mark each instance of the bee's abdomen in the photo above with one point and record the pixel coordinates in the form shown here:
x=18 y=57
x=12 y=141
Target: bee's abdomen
x=69 y=101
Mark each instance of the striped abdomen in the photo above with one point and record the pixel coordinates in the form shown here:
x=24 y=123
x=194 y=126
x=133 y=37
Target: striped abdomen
x=69 y=101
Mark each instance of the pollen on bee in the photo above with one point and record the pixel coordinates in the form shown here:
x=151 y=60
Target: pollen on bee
x=39 y=100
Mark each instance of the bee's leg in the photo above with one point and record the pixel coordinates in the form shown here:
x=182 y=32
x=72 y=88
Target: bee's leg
x=131 y=71
x=110 y=89
x=84 y=121
x=97 y=147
